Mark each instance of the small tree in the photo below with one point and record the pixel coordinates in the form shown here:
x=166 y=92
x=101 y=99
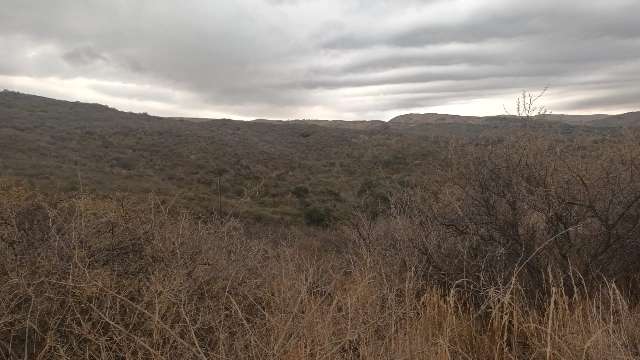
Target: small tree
x=526 y=107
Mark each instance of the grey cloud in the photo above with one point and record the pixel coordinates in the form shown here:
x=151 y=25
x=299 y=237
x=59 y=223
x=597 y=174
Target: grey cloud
x=140 y=93
x=566 y=21
x=409 y=101
x=283 y=2
x=283 y=56
x=611 y=100
x=83 y=55
x=435 y=74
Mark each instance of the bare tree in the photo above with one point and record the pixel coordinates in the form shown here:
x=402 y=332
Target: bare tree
x=526 y=107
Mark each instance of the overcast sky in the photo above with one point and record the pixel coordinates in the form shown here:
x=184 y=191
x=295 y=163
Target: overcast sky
x=324 y=59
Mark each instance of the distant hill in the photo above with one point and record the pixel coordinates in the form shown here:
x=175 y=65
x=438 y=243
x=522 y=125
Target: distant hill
x=574 y=119
x=343 y=124
x=631 y=119
x=53 y=144
x=193 y=119
x=66 y=145
x=403 y=123
x=340 y=124
x=432 y=118
x=595 y=120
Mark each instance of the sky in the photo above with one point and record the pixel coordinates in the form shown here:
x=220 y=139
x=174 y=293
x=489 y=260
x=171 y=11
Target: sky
x=324 y=59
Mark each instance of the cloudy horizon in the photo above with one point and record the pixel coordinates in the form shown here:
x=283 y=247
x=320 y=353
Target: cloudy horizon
x=324 y=59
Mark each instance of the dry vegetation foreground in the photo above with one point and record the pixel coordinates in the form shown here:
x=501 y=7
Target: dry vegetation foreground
x=527 y=247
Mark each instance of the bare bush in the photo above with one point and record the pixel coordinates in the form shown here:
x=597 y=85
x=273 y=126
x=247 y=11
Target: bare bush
x=531 y=203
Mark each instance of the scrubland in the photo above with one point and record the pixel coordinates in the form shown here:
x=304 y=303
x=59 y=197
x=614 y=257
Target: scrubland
x=521 y=245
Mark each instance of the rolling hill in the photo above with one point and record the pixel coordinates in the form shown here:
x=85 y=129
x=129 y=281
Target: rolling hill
x=64 y=145
x=630 y=119
x=68 y=145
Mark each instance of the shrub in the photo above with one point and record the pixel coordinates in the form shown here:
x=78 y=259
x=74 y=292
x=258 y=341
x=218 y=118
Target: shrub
x=105 y=277
x=300 y=191
x=321 y=216
x=538 y=204
x=366 y=186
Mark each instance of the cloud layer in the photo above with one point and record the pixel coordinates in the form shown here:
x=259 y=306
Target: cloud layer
x=349 y=59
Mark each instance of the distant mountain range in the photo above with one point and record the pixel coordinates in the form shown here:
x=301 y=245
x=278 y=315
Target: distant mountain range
x=403 y=122
x=631 y=119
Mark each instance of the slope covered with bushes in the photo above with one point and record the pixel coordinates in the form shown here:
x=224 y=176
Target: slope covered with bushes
x=519 y=246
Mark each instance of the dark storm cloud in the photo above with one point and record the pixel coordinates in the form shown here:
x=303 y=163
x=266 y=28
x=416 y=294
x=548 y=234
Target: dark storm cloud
x=325 y=58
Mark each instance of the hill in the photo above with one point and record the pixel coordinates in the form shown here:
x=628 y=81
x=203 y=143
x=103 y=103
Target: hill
x=575 y=119
x=65 y=145
x=432 y=118
x=58 y=144
x=630 y=119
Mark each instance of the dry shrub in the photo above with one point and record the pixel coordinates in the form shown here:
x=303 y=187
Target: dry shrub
x=511 y=255
x=117 y=280
x=527 y=204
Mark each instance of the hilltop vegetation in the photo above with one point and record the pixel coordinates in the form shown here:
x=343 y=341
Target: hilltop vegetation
x=50 y=143
x=505 y=239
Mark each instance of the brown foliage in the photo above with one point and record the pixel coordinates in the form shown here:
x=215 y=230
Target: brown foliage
x=112 y=278
x=532 y=204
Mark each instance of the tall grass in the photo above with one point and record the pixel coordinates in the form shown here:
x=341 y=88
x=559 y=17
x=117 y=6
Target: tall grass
x=87 y=277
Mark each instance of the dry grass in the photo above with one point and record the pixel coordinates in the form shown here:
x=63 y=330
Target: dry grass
x=107 y=278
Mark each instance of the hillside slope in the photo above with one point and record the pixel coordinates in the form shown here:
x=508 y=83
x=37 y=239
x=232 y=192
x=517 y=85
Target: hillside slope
x=630 y=119
x=432 y=118
x=50 y=143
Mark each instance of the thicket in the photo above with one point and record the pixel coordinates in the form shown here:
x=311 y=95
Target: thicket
x=522 y=246
x=51 y=144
